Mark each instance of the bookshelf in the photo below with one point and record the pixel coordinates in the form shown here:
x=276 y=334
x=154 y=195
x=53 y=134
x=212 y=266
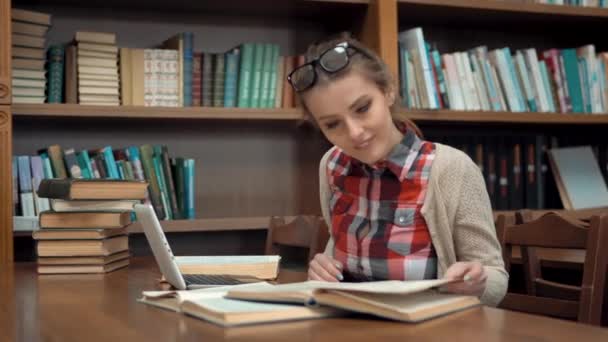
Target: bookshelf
x=140 y=112
x=505 y=7
x=76 y=111
x=281 y=156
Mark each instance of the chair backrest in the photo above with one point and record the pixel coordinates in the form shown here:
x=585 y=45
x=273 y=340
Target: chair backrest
x=556 y=230
x=306 y=231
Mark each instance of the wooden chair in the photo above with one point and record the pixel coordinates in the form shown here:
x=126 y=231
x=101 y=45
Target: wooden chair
x=306 y=231
x=582 y=303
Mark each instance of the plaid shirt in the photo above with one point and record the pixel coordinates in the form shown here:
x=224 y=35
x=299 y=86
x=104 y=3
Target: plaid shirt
x=377 y=227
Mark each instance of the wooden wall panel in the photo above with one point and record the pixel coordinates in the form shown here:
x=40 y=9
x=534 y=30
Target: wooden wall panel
x=6 y=182
x=5 y=52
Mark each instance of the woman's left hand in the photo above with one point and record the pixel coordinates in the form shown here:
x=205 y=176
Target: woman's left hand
x=474 y=276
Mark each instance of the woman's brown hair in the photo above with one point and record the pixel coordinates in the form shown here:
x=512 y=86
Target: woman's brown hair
x=368 y=63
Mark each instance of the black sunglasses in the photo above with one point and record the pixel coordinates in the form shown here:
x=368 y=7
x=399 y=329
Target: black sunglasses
x=331 y=61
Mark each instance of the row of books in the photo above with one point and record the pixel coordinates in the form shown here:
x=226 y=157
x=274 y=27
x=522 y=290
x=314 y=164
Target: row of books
x=28 y=56
x=572 y=80
x=582 y=3
x=86 y=230
x=93 y=70
x=517 y=169
x=171 y=180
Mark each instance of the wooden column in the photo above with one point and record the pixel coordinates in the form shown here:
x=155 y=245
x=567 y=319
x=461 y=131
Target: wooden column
x=380 y=31
x=6 y=140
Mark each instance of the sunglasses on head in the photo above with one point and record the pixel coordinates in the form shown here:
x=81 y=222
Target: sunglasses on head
x=331 y=61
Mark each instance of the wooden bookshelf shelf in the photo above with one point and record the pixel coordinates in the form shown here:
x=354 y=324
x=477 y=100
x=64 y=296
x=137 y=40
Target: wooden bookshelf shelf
x=292 y=114
x=517 y=7
x=209 y=225
x=452 y=116
x=199 y=225
x=84 y=111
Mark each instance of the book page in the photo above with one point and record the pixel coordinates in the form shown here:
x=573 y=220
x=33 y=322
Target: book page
x=226 y=260
x=386 y=286
x=227 y=305
x=176 y=297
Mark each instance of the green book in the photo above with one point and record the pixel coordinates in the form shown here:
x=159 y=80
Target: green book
x=266 y=73
x=256 y=79
x=147 y=160
x=55 y=74
x=245 y=71
x=164 y=195
x=272 y=93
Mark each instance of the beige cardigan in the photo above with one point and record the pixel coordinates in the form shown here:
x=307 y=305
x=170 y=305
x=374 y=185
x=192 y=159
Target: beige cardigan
x=458 y=214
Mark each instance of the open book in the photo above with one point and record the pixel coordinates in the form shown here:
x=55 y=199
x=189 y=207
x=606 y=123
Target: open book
x=211 y=305
x=409 y=301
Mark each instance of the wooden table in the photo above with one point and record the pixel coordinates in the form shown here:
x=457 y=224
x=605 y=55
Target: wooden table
x=104 y=308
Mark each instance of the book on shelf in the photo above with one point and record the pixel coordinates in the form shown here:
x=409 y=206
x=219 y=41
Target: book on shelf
x=259 y=266
x=211 y=305
x=407 y=301
x=568 y=80
x=579 y=179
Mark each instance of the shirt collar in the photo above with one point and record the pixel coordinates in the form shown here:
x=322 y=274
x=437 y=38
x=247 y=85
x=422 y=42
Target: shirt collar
x=399 y=161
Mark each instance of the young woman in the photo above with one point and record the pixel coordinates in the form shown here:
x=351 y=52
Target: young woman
x=398 y=207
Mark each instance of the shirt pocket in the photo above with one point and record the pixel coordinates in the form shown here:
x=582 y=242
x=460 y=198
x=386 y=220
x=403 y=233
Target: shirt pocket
x=404 y=236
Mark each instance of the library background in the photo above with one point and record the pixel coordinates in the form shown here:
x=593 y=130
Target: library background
x=192 y=97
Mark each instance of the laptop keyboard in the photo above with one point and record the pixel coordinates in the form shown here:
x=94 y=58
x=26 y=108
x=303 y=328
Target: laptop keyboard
x=210 y=279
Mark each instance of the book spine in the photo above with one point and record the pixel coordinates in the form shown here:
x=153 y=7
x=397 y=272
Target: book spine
x=55 y=74
x=245 y=72
x=71 y=74
x=207 y=80
x=46 y=163
x=71 y=162
x=164 y=195
x=197 y=79
x=218 y=79
x=231 y=82
x=56 y=154
x=265 y=75
x=256 y=79
x=188 y=39
x=169 y=183
x=147 y=158
x=272 y=92
x=41 y=204
x=178 y=170
x=189 y=188
x=110 y=162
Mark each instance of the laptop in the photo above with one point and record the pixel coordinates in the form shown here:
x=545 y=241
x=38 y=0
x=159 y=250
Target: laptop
x=166 y=261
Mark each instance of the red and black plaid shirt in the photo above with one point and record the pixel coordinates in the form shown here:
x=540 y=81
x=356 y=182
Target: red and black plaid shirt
x=377 y=227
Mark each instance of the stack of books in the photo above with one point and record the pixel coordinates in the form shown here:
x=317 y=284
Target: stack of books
x=97 y=61
x=28 y=55
x=86 y=229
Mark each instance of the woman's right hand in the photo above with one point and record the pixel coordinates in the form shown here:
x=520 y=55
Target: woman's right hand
x=325 y=268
